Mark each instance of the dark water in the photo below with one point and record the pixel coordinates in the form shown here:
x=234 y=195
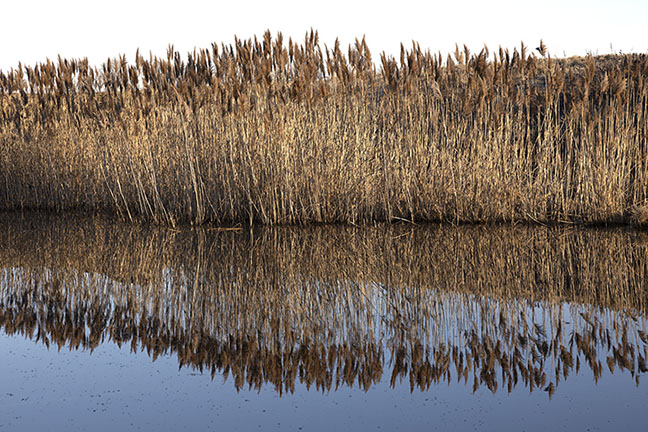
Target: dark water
x=116 y=327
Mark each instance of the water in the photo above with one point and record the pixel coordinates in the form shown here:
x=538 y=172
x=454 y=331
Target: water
x=117 y=327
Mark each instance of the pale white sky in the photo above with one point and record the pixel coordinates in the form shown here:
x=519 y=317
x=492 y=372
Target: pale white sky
x=31 y=31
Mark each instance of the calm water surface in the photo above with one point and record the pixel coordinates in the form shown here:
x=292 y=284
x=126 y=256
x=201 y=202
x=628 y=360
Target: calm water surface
x=105 y=326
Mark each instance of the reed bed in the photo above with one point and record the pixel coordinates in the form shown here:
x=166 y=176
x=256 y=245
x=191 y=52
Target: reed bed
x=294 y=133
x=337 y=306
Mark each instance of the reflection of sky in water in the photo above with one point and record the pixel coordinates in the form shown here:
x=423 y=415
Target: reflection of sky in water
x=112 y=389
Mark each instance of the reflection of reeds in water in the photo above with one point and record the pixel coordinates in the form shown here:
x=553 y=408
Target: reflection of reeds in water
x=335 y=306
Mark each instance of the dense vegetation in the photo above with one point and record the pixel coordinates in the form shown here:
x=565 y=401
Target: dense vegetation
x=276 y=133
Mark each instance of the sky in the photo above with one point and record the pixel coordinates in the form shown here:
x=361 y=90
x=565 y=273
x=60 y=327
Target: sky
x=32 y=31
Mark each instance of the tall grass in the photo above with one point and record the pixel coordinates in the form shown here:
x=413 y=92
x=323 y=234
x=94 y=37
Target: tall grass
x=335 y=306
x=280 y=133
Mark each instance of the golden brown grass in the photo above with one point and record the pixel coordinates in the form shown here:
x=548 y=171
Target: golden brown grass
x=276 y=133
x=330 y=306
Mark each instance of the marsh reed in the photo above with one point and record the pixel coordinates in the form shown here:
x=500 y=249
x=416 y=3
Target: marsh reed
x=337 y=306
x=294 y=133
